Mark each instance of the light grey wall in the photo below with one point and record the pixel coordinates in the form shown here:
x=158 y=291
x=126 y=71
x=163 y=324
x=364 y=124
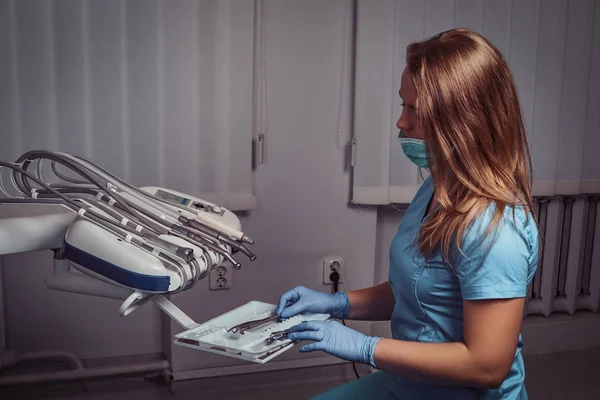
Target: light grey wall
x=2 y=331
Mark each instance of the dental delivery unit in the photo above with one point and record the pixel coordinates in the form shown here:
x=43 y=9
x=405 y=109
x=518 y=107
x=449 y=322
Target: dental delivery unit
x=134 y=244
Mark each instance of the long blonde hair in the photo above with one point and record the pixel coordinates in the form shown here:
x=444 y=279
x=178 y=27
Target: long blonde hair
x=469 y=111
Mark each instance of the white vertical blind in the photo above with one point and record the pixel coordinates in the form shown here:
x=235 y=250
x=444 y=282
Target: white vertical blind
x=553 y=48
x=158 y=91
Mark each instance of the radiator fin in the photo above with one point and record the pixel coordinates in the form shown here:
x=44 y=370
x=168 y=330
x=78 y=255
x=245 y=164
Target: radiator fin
x=568 y=275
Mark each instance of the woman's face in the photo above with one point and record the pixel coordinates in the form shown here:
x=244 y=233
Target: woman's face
x=408 y=119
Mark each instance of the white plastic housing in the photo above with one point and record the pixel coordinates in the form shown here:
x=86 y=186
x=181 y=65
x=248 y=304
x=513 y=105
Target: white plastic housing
x=29 y=226
x=196 y=206
x=86 y=236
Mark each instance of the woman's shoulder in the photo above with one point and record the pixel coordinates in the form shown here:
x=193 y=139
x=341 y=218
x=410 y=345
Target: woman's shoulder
x=515 y=224
x=517 y=217
x=498 y=257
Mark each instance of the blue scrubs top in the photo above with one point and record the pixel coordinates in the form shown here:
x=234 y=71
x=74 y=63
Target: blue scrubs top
x=429 y=295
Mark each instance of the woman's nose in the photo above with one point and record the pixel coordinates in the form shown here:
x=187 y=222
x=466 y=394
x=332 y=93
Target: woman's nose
x=399 y=124
x=402 y=124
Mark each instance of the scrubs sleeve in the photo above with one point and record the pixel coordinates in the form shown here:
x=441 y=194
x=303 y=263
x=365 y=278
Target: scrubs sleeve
x=495 y=266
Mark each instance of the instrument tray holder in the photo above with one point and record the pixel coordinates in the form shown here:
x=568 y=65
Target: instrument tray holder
x=212 y=336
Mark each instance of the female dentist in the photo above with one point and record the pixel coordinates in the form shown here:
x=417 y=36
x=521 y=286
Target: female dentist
x=466 y=249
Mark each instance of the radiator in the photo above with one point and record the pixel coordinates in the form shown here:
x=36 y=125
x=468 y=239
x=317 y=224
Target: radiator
x=568 y=275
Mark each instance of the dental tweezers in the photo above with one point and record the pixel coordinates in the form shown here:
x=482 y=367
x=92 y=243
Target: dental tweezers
x=245 y=326
x=277 y=335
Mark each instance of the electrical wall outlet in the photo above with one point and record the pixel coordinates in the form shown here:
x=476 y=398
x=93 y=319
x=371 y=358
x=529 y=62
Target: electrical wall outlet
x=330 y=264
x=221 y=277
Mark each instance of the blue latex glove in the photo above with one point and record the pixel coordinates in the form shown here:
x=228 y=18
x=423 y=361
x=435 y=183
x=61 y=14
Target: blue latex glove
x=337 y=340
x=300 y=300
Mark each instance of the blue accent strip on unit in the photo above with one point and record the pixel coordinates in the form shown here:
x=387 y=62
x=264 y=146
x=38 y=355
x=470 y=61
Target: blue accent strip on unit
x=135 y=280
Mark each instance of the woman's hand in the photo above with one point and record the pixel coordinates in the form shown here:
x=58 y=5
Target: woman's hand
x=335 y=339
x=301 y=299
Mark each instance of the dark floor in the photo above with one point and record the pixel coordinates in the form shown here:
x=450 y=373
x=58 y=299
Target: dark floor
x=573 y=375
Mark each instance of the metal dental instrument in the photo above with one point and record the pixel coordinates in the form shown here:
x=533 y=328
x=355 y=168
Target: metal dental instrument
x=245 y=326
x=277 y=335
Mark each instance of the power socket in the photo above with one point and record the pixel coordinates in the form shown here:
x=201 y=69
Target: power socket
x=221 y=277
x=330 y=264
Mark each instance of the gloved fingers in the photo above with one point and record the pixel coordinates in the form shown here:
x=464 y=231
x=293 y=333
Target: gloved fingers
x=316 y=336
x=288 y=298
x=312 y=347
x=307 y=326
x=296 y=308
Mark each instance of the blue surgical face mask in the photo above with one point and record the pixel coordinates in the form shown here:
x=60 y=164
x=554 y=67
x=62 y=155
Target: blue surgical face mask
x=415 y=150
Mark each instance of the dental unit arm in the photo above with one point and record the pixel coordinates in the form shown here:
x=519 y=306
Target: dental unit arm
x=123 y=242
x=136 y=245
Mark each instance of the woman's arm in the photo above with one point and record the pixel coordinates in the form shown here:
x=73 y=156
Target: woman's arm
x=375 y=303
x=491 y=331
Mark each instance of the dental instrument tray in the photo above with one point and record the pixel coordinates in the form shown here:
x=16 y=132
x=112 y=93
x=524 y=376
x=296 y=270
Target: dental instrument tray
x=261 y=339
